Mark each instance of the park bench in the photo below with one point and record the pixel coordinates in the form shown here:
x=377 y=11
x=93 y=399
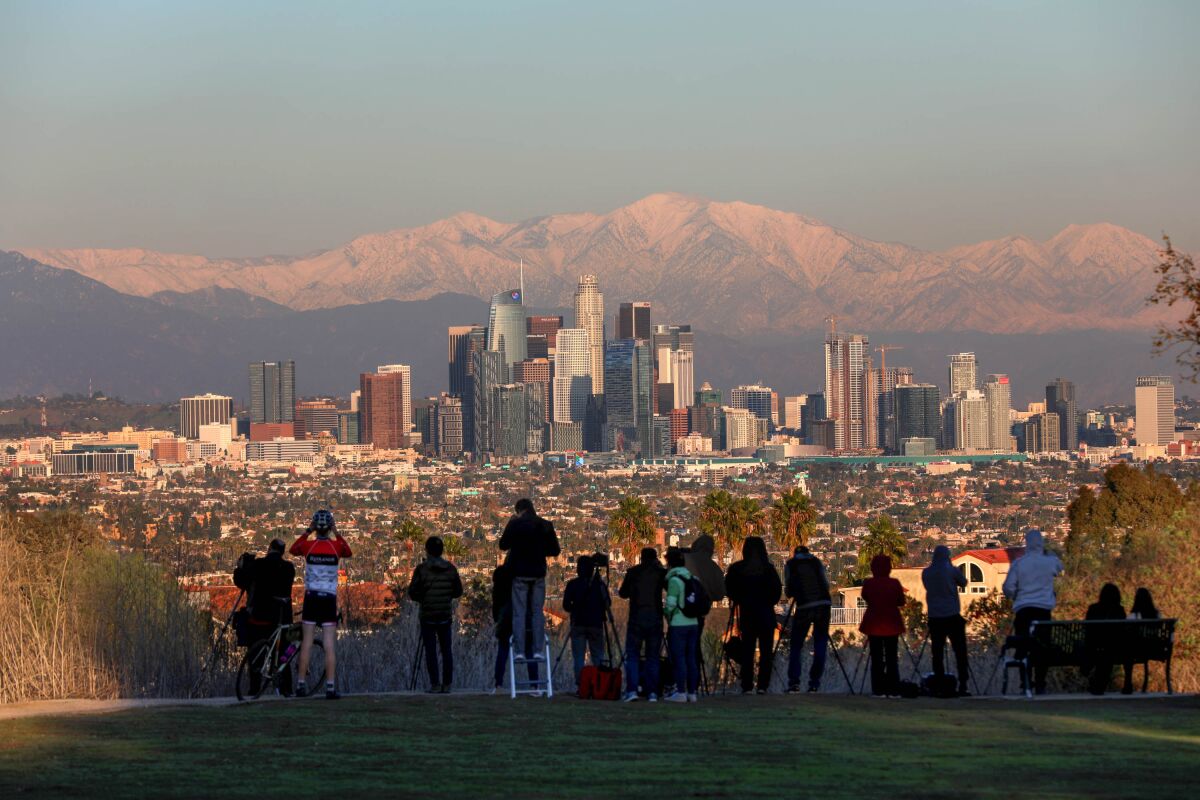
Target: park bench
x=1082 y=643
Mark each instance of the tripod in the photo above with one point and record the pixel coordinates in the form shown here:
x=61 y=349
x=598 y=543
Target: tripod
x=730 y=669
x=789 y=620
x=206 y=669
x=416 y=662
x=866 y=656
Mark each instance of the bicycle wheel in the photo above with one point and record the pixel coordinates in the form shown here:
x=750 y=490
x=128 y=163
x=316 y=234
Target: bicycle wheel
x=256 y=663
x=315 y=679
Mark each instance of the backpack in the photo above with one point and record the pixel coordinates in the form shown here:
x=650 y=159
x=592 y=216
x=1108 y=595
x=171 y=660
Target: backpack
x=696 y=602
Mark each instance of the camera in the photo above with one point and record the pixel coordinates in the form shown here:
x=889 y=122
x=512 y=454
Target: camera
x=600 y=560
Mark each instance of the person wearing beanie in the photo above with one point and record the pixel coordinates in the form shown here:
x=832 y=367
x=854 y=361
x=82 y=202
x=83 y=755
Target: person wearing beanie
x=883 y=625
x=1030 y=586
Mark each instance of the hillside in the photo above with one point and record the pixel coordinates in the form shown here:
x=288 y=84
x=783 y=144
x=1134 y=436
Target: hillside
x=727 y=266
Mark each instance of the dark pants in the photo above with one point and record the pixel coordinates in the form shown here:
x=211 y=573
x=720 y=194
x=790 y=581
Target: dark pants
x=585 y=639
x=684 y=644
x=435 y=635
x=816 y=618
x=955 y=629
x=885 y=665
x=763 y=641
x=644 y=630
x=1026 y=617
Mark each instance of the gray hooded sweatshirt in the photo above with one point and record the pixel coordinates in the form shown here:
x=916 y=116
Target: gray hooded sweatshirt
x=942 y=579
x=1030 y=581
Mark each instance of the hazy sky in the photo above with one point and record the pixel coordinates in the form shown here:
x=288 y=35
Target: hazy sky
x=252 y=128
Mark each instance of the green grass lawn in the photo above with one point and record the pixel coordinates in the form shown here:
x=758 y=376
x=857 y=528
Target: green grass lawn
x=783 y=747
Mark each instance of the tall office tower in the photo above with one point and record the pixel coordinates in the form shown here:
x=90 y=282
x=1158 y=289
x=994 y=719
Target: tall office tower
x=509 y=415
x=589 y=317
x=1043 y=433
x=754 y=398
x=741 y=428
x=998 y=394
x=812 y=413
x=1154 y=410
x=1060 y=399
x=967 y=421
x=448 y=426
x=464 y=340
x=870 y=401
x=542 y=325
x=354 y=398
x=348 y=428
x=381 y=410
x=707 y=394
x=845 y=388
x=272 y=391
x=620 y=385
x=487 y=371
x=775 y=408
x=680 y=425
x=477 y=343
x=683 y=377
x=424 y=429
x=633 y=321
x=537 y=347
x=673 y=337
x=318 y=416
x=885 y=405
x=506 y=327
x=660 y=436
x=406 y=406
x=535 y=373
x=793 y=412
x=572 y=375
x=963 y=368
x=918 y=412
x=201 y=410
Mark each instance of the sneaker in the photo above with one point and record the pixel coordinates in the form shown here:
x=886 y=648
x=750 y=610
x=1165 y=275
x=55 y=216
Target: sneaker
x=677 y=697
x=629 y=697
x=962 y=693
x=878 y=696
x=893 y=697
x=794 y=689
x=333 y=694
x=434 y=689
x=653 y=698
x=747 y=691
x=496 y=690
x=445 y=688
x=301 y=689
x=693 y=698
x=761 y=691
x=813 y=688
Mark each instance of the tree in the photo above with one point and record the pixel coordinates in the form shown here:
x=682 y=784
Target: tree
x=410 y=533
x=631 y=526
x=1178 y=282
x=454 y=547
x=1130 y=501
x=882 y=539
x=793 y=519
x=729 y=520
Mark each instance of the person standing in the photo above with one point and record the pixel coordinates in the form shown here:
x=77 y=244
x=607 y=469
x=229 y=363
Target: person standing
x=943 y=581
x=435 y=586
x=269 y=601
x=1030 y=585
x=754 y=588
x=586 y=599
x=643 y=588
x=321 y=558
x=529 y=540
x=807 y=585
x=683 y=632
x=883 y=626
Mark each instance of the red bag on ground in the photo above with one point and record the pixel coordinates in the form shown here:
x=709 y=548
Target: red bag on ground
x=587 y=683
x=607 y=685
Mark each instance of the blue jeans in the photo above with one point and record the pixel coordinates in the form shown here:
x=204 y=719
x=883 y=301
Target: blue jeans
x=684 y=642
x=587 y=639
x=640 y=632
x=818 y=619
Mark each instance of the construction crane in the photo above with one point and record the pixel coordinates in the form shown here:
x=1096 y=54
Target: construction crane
x=883 y=351
x=832 y=320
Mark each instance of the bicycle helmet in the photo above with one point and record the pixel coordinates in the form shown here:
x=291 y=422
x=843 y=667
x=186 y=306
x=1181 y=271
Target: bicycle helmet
x=322 y=521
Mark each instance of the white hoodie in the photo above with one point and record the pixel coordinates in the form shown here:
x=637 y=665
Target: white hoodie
x=1030 y=582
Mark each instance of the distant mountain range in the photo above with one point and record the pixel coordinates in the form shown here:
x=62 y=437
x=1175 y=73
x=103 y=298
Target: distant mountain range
x=732 y=267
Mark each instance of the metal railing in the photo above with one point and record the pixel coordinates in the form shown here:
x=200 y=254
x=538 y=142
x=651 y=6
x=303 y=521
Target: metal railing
x=845 y=616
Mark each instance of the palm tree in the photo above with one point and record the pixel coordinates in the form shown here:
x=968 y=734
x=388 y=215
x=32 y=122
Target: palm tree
x=729 y=520
x=410 y=533
x=793 y=519
x=882 y=539
x=631 y=526
x=453 y=546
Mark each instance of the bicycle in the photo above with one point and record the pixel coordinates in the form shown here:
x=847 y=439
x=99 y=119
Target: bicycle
x=269 y=660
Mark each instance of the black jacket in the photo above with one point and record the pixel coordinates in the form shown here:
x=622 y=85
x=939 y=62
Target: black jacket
x=435 y=585
x=529 y=540
x=270 y=595
x=806 y=581
x=755 y=590
x=643 y=588
x=585 y=599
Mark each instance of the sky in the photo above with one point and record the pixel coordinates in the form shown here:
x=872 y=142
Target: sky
x=245 y=129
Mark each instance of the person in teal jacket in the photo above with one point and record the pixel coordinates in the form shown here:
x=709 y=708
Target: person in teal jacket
x=683 y=632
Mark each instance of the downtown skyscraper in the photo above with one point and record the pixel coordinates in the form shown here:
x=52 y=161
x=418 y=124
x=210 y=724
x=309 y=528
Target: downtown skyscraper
x=506 y=327
x=272 y=391
x=633 y=321
x=589 y=317
x=1060 y=399
x=998 y=395
x=846 y=365
x=1154 y=410
x=963 y=373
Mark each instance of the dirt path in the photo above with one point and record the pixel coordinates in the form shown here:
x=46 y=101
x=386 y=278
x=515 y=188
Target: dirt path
x=45 y=708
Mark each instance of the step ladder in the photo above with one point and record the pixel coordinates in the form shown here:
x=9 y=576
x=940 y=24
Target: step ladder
x=523 y=685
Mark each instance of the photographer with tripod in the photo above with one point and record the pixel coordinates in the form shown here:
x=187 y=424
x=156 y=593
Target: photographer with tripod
x=643 y=588
x=943 y=582
x=435 y=586
x=586 y=599
x=807 y=585
x=754 y=589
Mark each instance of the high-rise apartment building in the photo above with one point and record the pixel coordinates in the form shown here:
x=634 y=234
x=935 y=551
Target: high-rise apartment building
x=918 y=412
x=1043 y=433
x=572 y=375
x=1154 y=410
x=506 y=327
x=793 y=411
x=447 y=424
x=887 y=379
x=381 y=410
x=406 y=405
x=509 y=415
x=633 y=321
x=741 y=428
x=998 y=394
x=272 y=391
x=967 y=421
x=589 y=317
x=963 y=373
x=1060 y=399
x=201 y=410
x=846 y=362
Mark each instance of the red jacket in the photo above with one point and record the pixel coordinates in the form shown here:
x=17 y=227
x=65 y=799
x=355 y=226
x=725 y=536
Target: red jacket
x=884 y=596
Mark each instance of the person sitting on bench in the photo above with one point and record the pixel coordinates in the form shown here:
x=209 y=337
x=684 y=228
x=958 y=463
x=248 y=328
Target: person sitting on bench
x=1142 y=608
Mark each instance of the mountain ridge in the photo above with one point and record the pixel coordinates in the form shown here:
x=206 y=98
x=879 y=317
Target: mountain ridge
x=733 y=266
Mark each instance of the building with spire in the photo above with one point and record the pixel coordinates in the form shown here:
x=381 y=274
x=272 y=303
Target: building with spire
x=589 y=317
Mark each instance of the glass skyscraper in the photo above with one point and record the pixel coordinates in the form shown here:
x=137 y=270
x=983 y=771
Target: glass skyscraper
x=506 y=327
x=272 y=391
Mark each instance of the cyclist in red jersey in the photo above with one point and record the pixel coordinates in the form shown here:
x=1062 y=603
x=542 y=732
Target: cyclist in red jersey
x=321 y=557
